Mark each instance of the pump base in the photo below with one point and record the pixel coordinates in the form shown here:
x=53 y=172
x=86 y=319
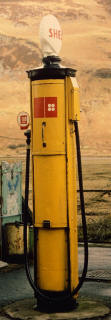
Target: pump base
x=63 y=302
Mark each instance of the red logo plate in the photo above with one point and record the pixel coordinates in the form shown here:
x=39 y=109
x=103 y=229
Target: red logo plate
x=45 y=107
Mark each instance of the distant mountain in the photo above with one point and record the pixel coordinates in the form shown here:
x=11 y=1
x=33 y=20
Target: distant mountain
x=86 y=46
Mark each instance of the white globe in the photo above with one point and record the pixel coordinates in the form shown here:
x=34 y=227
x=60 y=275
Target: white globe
x=50 y=35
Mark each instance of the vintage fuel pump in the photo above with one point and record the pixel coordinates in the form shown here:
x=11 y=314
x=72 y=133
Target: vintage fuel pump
x=55 y=114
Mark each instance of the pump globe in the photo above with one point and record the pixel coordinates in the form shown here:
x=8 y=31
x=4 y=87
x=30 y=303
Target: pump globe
x=50 y=35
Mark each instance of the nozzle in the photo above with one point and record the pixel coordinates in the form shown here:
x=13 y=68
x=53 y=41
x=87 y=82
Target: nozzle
x=28 y=135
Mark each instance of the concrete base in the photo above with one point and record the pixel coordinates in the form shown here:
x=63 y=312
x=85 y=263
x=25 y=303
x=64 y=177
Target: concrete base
x=87 y=309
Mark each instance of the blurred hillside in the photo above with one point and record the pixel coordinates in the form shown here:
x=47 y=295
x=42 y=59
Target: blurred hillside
x=86 y=46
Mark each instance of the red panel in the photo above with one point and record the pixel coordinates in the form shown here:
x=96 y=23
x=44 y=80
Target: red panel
x=50 y=107
x=45 y=107
x=39 y=107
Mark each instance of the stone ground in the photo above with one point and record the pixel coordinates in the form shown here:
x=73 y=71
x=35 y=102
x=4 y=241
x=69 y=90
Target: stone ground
x=14 y=288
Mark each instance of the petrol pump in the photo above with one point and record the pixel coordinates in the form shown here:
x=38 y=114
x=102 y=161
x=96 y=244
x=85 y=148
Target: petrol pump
x=55 y=112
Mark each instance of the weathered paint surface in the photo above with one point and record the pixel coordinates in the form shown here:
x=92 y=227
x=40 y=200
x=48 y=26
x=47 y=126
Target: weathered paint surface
x=11 y=192
x=15 y=239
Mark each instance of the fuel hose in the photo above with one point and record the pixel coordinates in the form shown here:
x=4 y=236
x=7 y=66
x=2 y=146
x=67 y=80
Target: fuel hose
x=61 y=299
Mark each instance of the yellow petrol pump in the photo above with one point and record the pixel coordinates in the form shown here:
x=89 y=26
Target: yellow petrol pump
x=55 y=112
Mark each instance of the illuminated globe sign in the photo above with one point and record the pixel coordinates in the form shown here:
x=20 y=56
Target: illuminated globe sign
x=50 y=35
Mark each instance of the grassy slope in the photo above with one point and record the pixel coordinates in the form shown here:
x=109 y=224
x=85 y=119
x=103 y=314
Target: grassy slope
x=86 y=46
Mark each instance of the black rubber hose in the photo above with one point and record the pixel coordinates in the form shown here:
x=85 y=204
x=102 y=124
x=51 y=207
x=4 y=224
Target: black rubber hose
x=82 y=210
x=27 y=269
x=37 y=291
x=29 y=213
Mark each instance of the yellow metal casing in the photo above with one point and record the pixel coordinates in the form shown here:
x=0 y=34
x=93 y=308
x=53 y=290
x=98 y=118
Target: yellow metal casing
x=49 y=162
x=54 y=182
x=71 y=186
x=73 y=99
x=52 y=256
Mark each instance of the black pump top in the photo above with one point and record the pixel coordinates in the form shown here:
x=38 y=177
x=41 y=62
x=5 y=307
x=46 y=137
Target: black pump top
x=51 y=70
x=51 y=61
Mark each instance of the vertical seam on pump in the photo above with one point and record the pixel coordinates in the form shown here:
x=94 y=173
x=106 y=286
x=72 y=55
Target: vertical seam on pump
x=35 y=230
x=68 y=238
x=44 y=107
x=31 y=112
x=33 y=190
x=35 y=255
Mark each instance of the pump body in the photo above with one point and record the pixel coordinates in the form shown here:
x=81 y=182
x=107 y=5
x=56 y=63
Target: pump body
x=54 y=107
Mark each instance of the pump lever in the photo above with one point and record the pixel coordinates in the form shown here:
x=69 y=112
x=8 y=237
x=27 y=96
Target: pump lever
x=43 y=133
